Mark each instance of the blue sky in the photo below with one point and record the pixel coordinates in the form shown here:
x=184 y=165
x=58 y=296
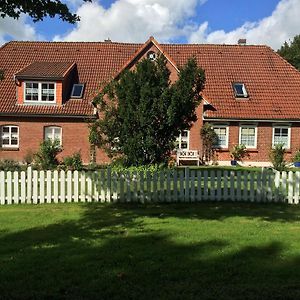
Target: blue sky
x=186 y=21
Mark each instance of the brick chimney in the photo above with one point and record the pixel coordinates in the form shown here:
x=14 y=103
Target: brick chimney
x=242 y=42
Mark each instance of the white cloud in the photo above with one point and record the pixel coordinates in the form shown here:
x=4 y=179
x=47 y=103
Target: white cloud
x=133 y=20
x=16 y=29
x=282 y=25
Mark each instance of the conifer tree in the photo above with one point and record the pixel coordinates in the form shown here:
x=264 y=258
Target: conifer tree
x=142 y=112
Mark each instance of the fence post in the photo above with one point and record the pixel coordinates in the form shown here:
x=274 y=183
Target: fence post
x=187 y=184
x=29 y=184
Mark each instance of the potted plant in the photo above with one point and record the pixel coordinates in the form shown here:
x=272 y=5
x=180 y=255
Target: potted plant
x=296 y=159
x=238 y=152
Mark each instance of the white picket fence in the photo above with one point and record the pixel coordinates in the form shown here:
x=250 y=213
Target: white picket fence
x=182 y=185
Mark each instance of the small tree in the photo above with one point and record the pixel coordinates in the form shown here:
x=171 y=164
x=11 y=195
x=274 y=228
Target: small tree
x=209 y=140
x=143 y=112
x=277 y=154
x=46 y=157
x=238 y=152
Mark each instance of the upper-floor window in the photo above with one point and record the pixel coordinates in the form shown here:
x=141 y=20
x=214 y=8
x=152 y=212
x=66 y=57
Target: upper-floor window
x=282 y=135
x=77 y=90
x=183 y=140
x=53 y=133
x=248 y=135
x=10 y=136
x=240 y=90
x=222 y=132
x=39 y=92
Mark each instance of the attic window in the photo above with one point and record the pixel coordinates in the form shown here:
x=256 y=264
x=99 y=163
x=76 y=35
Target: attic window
x=240 y=90
x=77 y=90
x=152 y=55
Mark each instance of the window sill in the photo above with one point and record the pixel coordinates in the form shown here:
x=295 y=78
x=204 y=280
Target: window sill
x=9 y=148
x=222 y=149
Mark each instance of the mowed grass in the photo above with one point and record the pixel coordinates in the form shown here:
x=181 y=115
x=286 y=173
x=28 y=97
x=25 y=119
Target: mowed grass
x=188 y=251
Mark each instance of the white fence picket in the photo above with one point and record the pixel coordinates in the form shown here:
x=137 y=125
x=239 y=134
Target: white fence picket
x=16 y=187
x=62 y=181
x=42 y=187
x=35 y=186
x=9 y=187
x=23 y=187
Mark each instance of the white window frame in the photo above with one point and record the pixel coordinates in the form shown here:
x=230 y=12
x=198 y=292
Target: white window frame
x=39 y=101
x=226 y=126
x=179 y=140
x=255 y=137
x=10 y=145
x=53 y=127
x=280 y=126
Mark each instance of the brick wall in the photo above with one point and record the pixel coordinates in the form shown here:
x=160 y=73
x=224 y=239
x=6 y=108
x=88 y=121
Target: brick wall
x=264 y=142
x=31 y=133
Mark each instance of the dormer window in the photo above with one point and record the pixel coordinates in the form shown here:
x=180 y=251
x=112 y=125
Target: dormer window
x=39 y=92
x=77 y=90
x=240 y=90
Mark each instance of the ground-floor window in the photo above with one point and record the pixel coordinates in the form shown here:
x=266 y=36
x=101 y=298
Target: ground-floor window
x=222 y=132
x=53 y=133
x=282 y=135
x=183 y=140
x=248 y=136
x=10 y=136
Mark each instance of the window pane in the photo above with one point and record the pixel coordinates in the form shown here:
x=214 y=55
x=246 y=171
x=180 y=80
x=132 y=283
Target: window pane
x=5 y=141
x=248 y=136
x=5 y=129
x=14 y=129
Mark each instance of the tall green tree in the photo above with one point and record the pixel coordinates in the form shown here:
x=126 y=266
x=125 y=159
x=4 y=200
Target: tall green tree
x=291 y=52
x=142 y=113
x=38 y=9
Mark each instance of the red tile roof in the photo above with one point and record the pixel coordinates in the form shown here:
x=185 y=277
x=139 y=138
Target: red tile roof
x=45 y=70
x=273 y=85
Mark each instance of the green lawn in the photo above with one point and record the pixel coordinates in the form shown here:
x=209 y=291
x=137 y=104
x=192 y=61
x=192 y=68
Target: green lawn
x=193 y=251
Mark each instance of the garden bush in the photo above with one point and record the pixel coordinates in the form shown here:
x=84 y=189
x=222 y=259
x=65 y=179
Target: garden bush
x=9 y=165
x=277 y=154
x=46 y=157
x=73 y=162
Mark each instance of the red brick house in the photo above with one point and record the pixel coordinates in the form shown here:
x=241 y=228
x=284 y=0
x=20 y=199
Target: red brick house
x=252 y=95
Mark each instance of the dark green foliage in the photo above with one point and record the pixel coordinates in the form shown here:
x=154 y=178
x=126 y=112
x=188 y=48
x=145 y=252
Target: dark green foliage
x=291 y=52
x=9 y=165
x=277 y=157
x=73 y=162
x=209 y=139
x=37 y=9
x=143 y=113
x=46 y=158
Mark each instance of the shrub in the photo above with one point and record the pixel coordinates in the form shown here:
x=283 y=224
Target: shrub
x=296 y=157
x=73 y=162
x=29 y=157
x=9 y=165
x=209 y=140
x=46 y=157
x=238 y=152
x=277 y=157
x=119 y=168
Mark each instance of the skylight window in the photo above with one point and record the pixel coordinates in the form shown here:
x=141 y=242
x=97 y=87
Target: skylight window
x=240 y=90
x=77 y=90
